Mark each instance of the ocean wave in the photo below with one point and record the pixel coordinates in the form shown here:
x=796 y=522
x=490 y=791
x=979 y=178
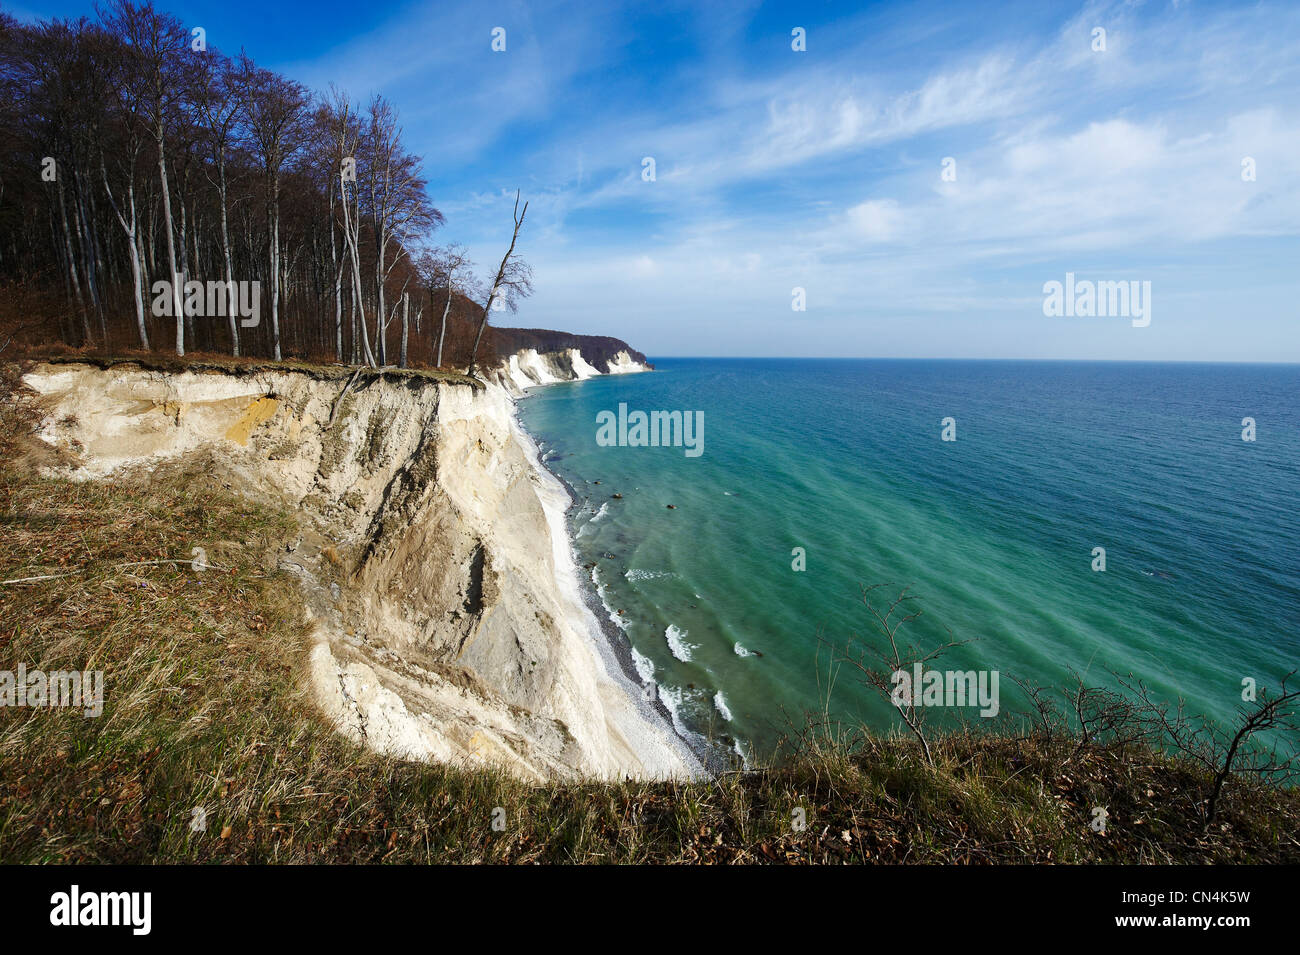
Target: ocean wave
x=644 y=666
x=742 y=750
x=636 y=574
x=586 y=525
x=720 y=704
x=676 y=701
x=604 y=599
x=742 y=652
x=672 y=698
x=678 y=645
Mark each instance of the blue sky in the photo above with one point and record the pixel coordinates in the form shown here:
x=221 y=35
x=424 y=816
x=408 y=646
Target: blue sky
x=821 y=169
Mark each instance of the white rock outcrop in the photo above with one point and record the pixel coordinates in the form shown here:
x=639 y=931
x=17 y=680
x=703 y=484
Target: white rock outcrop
x=529 y=368
x=623 y=363
x=433 y=558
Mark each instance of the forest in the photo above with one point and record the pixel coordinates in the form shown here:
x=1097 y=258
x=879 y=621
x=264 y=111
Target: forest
x=158 y=194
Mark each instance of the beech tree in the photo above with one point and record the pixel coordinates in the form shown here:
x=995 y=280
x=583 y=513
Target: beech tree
x=126 y=147
x=337 y=138
x=442 y=268
x=343 y=122
x=218 y=92
x=255 y=181
x=154 y=42
x=275 y=111
x=399 y=208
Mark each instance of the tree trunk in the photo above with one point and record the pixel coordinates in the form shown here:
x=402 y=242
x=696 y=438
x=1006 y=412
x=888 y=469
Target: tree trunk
x=185 y=267
x=131 y=229
x=442 y=335
x=353 y=239
x=496 y=285
x=74 y=280
x=275 y=265
x=137 y=280
x=230 y=269
x=406 y=317
x=337 y=264
x=177 y=310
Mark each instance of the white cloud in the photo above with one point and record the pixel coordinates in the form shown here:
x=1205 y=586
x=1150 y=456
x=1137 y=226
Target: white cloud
x=824 y=172
x=876 y=220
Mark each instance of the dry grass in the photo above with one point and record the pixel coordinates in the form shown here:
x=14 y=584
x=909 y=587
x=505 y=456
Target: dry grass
x=204 y=707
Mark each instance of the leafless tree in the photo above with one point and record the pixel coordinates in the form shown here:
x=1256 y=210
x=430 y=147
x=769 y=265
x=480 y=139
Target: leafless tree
x=276 y=108
x=514 y=281
x=442 y=268
x=877 y=665
x=218 y=95
x=1223 y=751
x=239 y=189
x=398 y=204
x=129 y=142
x=156 y=41
x=344 y=126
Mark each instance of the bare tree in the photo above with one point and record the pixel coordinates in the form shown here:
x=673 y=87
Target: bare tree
x=218 y=94
x=276 y=106
x=513 y=281
x=1223 y=751
x=41 y=65
x=156 y=41
x=130 y=141
x=440 y=268
x=398 y=204
x=337 y=138
x=347 y=137
x=878 y=666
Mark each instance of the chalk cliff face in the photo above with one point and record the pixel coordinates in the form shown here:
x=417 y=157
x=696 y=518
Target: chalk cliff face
x=529 y=368
x=599 y=351
x=433 y=558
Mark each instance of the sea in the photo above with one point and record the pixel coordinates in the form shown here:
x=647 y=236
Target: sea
x=1123 y=524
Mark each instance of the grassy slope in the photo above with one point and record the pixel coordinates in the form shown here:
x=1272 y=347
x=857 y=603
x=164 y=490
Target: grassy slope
x=204 y=706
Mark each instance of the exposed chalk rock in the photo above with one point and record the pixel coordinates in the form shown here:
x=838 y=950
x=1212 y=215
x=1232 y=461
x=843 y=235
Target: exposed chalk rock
x=529 y=368
x=453 y=628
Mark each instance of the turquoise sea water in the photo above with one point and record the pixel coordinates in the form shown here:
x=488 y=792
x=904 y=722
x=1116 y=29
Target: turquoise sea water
x=994 y=531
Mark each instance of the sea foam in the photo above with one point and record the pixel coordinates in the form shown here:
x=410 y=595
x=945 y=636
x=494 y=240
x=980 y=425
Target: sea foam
x=678 y=645
x=720 y=704
x=644 y=666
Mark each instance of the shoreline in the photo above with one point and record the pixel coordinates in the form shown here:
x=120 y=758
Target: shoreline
x=610 y=644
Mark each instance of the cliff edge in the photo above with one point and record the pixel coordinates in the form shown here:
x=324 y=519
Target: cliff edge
x=432 y=554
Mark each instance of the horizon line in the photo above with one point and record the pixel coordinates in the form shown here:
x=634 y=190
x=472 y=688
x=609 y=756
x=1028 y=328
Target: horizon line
x=1095 y=361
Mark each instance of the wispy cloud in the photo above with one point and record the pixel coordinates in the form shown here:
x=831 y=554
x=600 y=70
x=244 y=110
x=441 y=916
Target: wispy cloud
x=822 y=169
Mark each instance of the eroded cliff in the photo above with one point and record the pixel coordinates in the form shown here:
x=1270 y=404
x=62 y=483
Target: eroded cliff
x=432 y=556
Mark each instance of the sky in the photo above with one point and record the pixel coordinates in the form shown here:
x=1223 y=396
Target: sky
x=919 y=171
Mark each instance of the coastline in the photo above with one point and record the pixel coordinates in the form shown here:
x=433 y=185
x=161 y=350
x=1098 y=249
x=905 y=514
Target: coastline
x=521 y=679
x=590 y=615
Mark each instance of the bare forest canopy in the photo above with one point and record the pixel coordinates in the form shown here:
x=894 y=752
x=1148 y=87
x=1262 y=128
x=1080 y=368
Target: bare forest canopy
x=158 y=194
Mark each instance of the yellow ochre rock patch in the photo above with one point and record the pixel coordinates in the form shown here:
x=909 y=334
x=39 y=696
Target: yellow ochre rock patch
x=256 y=413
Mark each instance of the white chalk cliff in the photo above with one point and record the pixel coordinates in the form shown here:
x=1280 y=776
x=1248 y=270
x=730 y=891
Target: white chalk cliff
x=450 y=625
x=527 y=368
